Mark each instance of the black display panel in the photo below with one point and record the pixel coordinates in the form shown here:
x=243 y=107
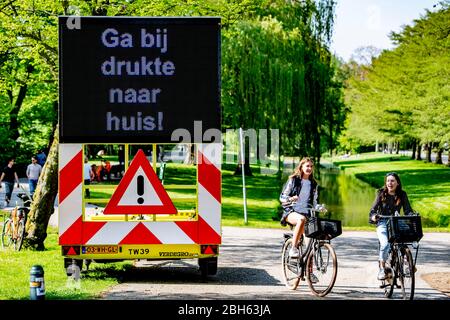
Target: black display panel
x=134 y=80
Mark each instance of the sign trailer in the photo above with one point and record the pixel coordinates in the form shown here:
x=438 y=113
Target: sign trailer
x=132 y=82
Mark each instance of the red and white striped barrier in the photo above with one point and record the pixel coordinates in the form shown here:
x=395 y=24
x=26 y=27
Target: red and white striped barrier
x=73 y=230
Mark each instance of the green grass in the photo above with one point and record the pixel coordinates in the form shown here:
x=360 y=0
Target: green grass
x=421 y=181
x=427 y=184
x=262 y=193
x=15 y=274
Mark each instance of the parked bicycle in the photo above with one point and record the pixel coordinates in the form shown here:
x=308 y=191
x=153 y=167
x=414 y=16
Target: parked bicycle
x=317 y=261
x=403 y=231
x=13 y=231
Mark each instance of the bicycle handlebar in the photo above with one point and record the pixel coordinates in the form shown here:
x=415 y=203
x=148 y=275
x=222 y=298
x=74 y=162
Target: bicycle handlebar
x=380 y=216
x=319 y=207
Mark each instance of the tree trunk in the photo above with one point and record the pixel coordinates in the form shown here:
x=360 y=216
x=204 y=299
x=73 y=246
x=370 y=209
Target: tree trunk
x=419 y=151
x=54 y=125
x=397 y=147
x=448 y=158
x=247 y=169
x=439 y=156
x=43 y=200
x=14 y=113
x=428 y=152
x=414 y=146
x=190 y=154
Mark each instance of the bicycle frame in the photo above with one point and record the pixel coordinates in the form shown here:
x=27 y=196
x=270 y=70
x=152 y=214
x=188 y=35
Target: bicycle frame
x=400 y=255
x=13 y=230
x=310 y=264
x=304 y=255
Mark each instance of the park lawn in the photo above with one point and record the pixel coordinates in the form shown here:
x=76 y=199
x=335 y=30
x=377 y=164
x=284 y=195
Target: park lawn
x=15 y=274
x=262 y=204
x=262 y=193
x=427 y=184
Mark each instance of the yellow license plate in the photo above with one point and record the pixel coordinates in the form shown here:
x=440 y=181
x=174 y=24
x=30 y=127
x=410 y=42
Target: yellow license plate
x=100 y=249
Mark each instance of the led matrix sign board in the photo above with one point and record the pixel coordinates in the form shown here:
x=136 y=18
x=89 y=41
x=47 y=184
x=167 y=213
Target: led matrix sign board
x=135 y=80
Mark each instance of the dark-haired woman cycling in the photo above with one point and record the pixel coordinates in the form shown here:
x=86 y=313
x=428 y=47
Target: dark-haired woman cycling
x=388 y=201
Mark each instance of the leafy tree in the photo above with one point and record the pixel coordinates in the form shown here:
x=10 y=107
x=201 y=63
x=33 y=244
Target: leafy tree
x=285 y=80
x=29 y=73
x=278 y=73
x=403 y=95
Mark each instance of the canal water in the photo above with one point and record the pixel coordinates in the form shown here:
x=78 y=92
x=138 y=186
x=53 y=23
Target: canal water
x=347 y=198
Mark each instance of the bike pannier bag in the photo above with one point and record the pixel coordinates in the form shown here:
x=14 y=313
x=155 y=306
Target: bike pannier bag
x=323 y=229
x=405 y=229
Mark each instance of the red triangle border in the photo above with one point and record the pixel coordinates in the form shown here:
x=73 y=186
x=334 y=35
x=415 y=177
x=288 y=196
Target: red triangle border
x=140 y=161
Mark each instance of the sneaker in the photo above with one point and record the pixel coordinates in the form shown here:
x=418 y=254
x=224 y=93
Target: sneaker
x=381 y=274
x=294 y=253
x=313 y=278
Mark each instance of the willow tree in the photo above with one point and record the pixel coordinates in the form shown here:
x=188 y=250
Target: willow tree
x=277 y=73
x=257 y=75
x=29 y=73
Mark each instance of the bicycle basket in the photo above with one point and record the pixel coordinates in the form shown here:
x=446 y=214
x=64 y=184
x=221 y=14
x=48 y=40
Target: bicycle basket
x=405 y=229
x=323 y=229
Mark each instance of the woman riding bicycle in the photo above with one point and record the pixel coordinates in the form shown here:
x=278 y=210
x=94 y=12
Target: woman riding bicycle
x=388 y=201
x=299 y=193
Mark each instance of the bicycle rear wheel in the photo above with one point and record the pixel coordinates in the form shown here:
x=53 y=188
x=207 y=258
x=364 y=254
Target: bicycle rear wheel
x=406 y=274
x=7 y=234
x=321 y=269
x=20 y=235
x=291 y=267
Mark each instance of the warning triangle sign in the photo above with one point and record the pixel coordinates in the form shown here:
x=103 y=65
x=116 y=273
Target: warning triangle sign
x=209 y=250
x=140 y=191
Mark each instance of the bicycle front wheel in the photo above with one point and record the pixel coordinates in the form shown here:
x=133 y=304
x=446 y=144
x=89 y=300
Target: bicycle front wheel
x=406 y=274
x=20 y=235
x=291 y=267
x=321 y=269
x=7 y=234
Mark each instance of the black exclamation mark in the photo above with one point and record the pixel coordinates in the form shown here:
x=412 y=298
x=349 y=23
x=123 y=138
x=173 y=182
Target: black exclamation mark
x=140 y=188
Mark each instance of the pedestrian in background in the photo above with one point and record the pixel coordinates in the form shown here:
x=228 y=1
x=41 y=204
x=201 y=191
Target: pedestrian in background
x=88 y=175
x=33 y=172
x=41 y=157
x=9 y=174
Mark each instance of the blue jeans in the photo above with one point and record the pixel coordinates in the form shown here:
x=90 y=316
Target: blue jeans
x=32 y=183
x=383 y=239
x=9 y=186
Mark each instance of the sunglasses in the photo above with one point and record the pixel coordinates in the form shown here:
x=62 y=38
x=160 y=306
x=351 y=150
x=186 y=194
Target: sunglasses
x=391 y=174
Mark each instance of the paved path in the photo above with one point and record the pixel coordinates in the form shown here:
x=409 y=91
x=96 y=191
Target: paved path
x=249 y=268
x=14 y=199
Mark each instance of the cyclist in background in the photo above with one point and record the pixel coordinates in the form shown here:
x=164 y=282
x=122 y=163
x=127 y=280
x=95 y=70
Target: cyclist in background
x=299 y=193
x=388 y=201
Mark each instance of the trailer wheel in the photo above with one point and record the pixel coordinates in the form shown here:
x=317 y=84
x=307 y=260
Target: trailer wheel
x=68 y=262
x=208 y=266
